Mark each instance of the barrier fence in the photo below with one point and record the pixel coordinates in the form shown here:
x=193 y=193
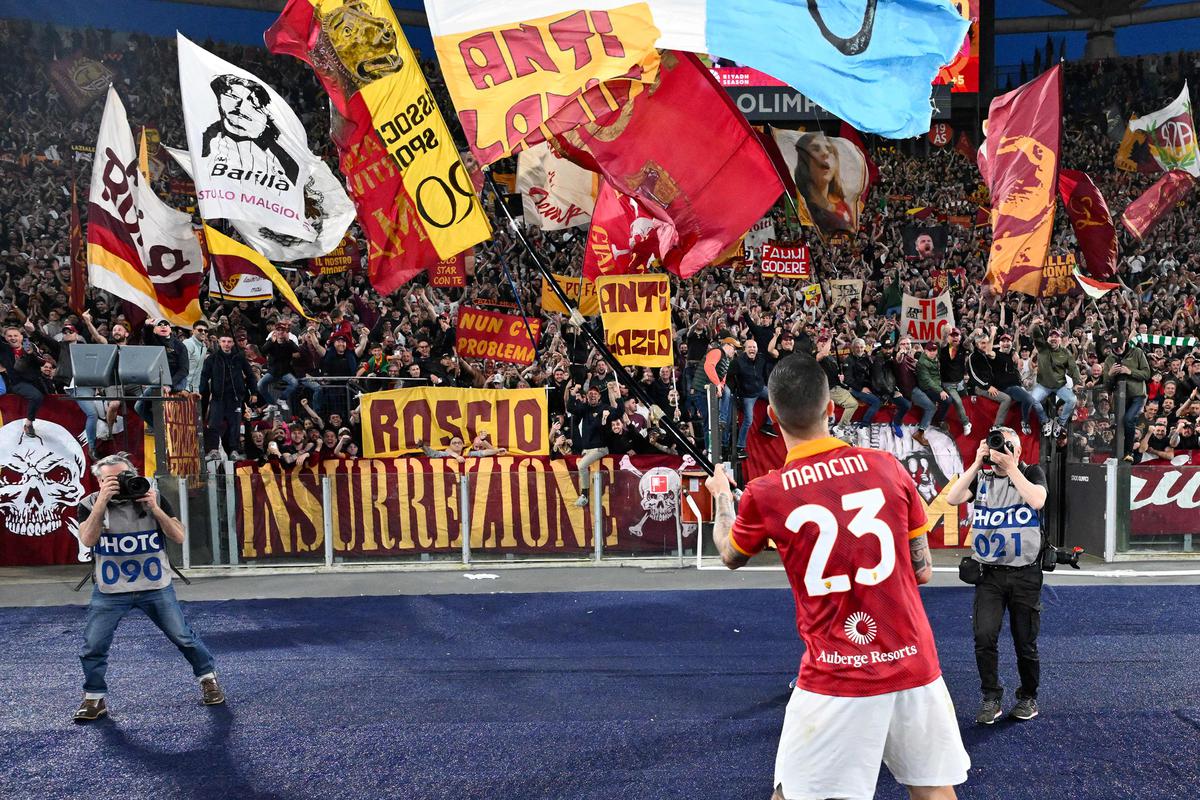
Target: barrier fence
x=495 y=508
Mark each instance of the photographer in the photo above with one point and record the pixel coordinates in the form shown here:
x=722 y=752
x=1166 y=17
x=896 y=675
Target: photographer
x=124 y=523
x=1005 y=565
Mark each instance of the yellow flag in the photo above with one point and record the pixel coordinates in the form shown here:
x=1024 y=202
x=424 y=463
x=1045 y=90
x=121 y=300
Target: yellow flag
x=231 y=258
x=636 y=310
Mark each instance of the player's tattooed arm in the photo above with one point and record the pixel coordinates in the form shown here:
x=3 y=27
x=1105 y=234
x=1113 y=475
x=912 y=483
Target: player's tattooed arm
x=922 y=560
x=722 y=531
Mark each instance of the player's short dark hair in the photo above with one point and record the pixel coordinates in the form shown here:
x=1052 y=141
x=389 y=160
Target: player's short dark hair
x=799 y=392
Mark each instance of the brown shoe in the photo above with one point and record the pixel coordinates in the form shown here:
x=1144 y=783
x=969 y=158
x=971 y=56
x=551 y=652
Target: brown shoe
x=919 y=437
x=211 y=694
x=90 y=710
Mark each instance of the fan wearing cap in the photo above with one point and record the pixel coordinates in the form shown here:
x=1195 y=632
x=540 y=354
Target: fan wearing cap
x=1006 y=376
x=884 y=384
x=158 y=333
x=1057 y=374
x=1127 y=363
x=929 y=391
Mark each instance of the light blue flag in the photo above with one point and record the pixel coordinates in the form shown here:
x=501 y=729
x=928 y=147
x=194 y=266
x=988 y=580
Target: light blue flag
x=869 y=62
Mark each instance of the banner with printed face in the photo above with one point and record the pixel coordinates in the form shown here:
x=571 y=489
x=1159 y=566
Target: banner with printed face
x=342 y=258
x=1171 y=135
x=408 y=506
x=138 y=248
x=397 y=422
x=636 y=311
x=844 y=291
x=327 y=209
x=555 y=192
x=500 y=337
x=250 y=156
x=924 y=243
x=925 y=320
x=586 y=302
x=831 y=178
x=515 y=79
x=785 y=262
x=451 y=273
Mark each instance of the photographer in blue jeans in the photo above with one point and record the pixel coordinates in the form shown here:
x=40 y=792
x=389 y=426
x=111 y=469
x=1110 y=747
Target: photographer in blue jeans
x=124 y=523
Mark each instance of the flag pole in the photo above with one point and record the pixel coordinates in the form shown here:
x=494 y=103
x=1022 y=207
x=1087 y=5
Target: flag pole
x=634 y=387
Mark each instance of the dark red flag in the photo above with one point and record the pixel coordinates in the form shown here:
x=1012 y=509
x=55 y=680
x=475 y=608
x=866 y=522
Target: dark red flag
x=623 y=236
x=78 y=298
x=688 y=156
x=1156 y=202
x=1094 y=229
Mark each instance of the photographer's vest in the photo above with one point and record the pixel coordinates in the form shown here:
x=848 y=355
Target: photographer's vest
x=1005 y=530
x=129 y=556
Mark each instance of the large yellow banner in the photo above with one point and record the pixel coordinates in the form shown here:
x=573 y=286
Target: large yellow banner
x=587 y=303
x=373 y=56
x=399 y=422
x=636 y=310
x=514 y=82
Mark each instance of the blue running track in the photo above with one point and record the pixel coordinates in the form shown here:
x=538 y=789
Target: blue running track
x=636 y=695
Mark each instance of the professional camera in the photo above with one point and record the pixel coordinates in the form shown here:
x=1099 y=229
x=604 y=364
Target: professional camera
x=1053 y=556
x=997 y=441
x=131 y=486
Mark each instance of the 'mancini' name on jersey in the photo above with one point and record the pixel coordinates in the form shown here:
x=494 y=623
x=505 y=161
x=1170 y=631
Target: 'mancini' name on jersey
x=823 y=470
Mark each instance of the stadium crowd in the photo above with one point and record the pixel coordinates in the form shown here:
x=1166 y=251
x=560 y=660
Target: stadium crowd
x=279 y=388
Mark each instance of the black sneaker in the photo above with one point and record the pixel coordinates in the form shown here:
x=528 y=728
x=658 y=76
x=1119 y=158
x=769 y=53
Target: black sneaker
x=90 y=710
x=989 y=712
x=1025 y=709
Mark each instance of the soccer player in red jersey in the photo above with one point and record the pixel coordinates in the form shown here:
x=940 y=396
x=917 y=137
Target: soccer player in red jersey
x=851 y=532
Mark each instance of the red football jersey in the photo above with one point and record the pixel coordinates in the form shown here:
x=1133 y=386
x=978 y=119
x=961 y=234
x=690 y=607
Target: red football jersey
x=842 y=518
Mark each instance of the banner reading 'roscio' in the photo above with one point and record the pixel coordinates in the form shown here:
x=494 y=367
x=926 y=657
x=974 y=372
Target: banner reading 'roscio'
x=926 y=320
x=500 y=337
x=636 y=310
x=785 y=262
x=398 y=422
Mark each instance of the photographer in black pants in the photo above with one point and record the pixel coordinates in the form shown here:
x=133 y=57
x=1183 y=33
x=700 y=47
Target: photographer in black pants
x=1005 y=565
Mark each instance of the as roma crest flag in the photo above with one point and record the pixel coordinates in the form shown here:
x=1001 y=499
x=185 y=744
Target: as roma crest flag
x=415 y=199
x=688 y=156
x=1024 y=133
x=623 y=236
x=1156 y=202
x=636 y=312
x=1094 y=229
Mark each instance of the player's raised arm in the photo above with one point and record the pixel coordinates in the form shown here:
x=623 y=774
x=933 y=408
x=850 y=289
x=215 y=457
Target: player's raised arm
x=722 y=493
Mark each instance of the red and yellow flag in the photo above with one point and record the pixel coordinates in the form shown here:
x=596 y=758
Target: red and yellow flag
x=516 y=81
x=1022 y=148
x=230 y=258
x=78 y=297
x=415 y=199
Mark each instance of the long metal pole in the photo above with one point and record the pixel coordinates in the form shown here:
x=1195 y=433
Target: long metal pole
x=634 y=387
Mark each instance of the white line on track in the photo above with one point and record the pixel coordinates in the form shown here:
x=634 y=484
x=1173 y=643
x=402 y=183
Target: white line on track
x=1083 y=573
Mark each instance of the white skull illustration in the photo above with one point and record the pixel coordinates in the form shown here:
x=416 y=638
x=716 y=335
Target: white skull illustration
x=659 y=488
x=41 y=478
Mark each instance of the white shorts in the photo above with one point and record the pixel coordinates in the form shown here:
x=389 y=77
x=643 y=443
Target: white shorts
x=832 y=746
